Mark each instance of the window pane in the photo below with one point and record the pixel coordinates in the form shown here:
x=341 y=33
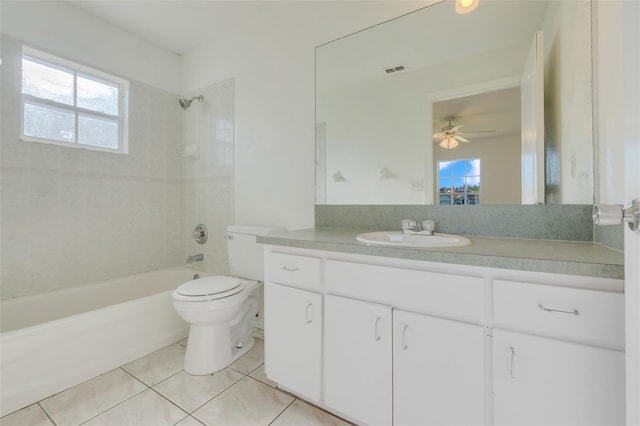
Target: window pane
x=458 y=168
x=473 y=167
x=96 y=131
x=47 y=82
x=97 y=96
x=49 y=123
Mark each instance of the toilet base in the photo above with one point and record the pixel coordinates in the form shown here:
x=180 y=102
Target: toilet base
x=203 y=356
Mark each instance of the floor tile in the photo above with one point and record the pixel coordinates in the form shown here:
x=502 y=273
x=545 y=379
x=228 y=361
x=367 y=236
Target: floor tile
x=184 y=342
x=190 y=392
x=301 y=413
x=259 y=374
x=28 y=416
x=189 y=421
x=146 y=408
x=88 y=399
x=248 y=402
x=252 y=359
x=159 y=365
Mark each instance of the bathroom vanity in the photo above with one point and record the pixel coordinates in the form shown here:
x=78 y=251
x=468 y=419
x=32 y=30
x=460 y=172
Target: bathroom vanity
x=482 y=334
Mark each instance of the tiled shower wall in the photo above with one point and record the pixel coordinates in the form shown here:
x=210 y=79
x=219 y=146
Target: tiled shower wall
x=72 y=216
x=206 y=175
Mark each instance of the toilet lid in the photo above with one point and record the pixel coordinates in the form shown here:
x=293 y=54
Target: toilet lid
x=211 y=287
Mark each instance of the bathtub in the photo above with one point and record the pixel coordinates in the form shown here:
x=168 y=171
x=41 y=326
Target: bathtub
x=52 y=341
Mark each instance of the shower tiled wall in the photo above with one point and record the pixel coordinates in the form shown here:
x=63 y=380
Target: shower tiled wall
x=72 y=216
x=206 y=177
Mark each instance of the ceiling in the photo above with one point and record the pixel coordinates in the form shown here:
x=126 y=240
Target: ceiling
x=181 y=25
x=498 y=110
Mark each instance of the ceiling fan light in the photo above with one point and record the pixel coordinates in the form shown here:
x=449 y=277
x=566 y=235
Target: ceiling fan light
x=449 y=143
x=466 y=6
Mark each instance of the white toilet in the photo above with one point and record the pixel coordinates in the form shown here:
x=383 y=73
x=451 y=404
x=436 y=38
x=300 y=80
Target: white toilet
x=221 y=309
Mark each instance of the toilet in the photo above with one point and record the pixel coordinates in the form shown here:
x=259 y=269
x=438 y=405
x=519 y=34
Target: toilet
x=221 y=309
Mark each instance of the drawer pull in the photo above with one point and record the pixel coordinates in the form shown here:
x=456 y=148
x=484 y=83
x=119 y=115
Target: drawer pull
x=284 y=268
x=308 y=313
x=575 y=312
x=376 y=335
x=404 y=337
x=512 y=351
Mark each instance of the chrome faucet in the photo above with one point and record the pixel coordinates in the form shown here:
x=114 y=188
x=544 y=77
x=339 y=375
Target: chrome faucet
x=409 y=226
x=412 y=227
x=195 y=258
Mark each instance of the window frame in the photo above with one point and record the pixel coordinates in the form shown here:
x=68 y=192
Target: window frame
x=464 y=177
x=78 y=70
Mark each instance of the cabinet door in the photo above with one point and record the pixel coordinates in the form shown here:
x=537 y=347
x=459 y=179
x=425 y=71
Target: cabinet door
x=541 y=381
x=358 y=359
x=293 y=339
x=438 y=371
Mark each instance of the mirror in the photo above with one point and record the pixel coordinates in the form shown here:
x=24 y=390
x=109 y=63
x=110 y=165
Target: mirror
x=389 y=97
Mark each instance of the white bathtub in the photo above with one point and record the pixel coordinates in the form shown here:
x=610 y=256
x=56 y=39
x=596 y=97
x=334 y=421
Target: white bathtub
x=52 y=341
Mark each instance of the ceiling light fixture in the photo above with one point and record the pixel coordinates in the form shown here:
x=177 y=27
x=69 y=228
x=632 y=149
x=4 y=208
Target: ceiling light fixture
x=466 y=6
x=449 y=143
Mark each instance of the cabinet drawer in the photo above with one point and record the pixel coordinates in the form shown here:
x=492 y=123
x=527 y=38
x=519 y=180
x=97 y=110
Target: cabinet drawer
x=445 y=295
x=587 y=316
x=301 y=271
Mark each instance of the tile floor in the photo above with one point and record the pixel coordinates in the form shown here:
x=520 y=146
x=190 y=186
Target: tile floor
x=154 y=390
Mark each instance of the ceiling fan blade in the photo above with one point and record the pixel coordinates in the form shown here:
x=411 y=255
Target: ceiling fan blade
x=461 y=139
x=480 y=131
x=439 y=135
x=456 y=128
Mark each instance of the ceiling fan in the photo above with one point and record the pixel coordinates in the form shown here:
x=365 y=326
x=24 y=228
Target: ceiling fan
x=450 y=135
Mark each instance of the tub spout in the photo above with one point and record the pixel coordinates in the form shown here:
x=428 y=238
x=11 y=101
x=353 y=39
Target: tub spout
x=195 y=258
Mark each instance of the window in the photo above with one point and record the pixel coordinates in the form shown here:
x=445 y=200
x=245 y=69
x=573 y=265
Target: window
x=69 y=104
x=459 y=181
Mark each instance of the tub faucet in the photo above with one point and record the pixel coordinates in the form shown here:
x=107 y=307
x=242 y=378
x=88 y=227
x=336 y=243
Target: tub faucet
x=195 y=258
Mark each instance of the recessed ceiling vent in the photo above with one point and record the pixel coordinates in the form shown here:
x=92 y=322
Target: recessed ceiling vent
x=397 y=68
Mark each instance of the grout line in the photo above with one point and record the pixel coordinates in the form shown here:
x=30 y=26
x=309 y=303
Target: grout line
x=134 y=376
x=218 y=394
x=173 y=403
x=282 y=412
x=46 y=413
x=111 y=408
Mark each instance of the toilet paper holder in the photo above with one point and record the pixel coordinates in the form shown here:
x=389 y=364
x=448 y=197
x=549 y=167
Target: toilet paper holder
x=613 y=214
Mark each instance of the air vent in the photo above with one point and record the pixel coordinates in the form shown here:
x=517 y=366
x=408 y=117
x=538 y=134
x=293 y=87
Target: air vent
x=397 y=68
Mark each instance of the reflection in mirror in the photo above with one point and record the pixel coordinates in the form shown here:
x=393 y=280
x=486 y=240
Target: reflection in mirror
x=383 y=94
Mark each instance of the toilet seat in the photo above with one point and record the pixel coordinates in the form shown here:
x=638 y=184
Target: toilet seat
x=208 y=288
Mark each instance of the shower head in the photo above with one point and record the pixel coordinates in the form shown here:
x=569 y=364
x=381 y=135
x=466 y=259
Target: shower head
x=186 y=103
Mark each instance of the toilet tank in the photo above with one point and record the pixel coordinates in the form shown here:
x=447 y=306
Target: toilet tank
x=246 y=256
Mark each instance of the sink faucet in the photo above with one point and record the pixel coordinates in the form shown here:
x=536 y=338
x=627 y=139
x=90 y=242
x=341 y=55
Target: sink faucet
x=195 y=258
x=411 y=227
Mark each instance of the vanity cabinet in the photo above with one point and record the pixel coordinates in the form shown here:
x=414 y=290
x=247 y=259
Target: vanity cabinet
x=293 y=324
x=543 y=381
x=557 y=355
x=402 y=342
x=357 y=350
x=438 y=371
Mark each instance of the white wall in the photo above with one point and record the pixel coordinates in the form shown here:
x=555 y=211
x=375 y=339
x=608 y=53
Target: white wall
x=61 y=29
x=609 y=93
x=272 y=62
x=568 y=102
x=72 y=216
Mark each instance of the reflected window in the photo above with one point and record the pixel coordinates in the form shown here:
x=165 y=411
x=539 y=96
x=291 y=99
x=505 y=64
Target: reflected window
x=69 y=104
x=459 y=181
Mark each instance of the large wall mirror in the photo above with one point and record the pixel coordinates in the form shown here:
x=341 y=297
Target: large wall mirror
x=493 y=106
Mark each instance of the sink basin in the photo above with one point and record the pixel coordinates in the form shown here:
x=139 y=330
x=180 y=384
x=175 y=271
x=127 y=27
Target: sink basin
x=398 y=239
